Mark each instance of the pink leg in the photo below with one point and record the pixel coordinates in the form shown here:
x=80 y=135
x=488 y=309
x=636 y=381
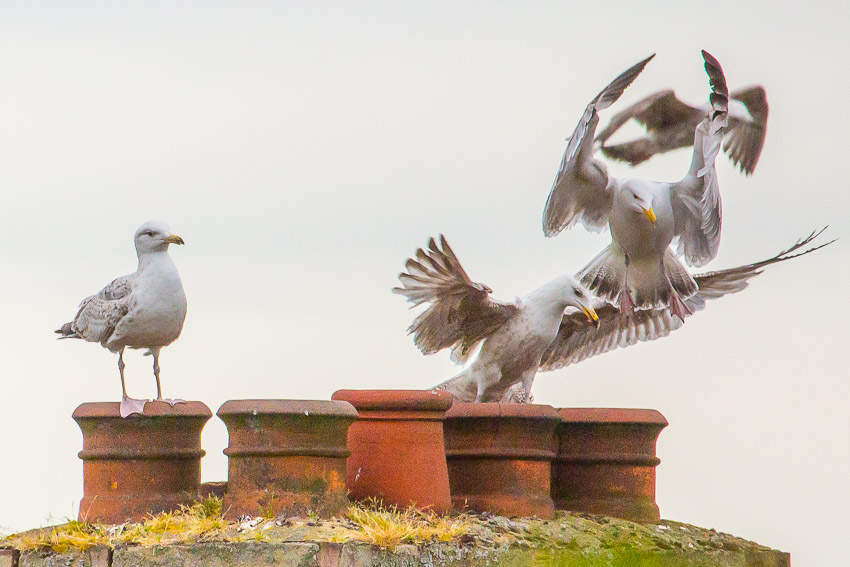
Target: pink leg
x=678 y=308
x=627 y=306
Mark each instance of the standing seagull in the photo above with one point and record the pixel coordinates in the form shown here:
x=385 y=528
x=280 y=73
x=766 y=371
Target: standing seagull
x=638 y=269
x=670 y=124
x=462 y=315
x=145 y=309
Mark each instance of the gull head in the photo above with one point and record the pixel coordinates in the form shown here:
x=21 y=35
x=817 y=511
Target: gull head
x=568 y=292
x=637 y=196
x=154 y=236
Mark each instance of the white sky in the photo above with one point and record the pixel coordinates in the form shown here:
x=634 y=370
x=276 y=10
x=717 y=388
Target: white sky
x=304 y=150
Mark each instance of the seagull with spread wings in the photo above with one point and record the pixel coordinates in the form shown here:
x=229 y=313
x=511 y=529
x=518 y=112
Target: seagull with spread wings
x=461 y=315
x=143 y=310
x=577 y=340
x=670 y=125
x=639 y=270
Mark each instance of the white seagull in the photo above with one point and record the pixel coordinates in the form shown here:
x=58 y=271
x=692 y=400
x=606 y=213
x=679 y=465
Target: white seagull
x=578 y=340
x=461 y=315
x=639 y=269
x=670 y=125
x=144 y=310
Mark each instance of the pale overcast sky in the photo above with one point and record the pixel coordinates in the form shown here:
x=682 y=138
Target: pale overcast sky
x=305 y=149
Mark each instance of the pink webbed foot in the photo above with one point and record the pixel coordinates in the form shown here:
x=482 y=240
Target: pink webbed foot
x=171 y=402
x=678 y=308
x=627 y=305
x=129 y=406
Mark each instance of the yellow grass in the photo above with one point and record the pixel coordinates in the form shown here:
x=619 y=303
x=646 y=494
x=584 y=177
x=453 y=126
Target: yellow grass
x=370 y=523
x=187 y=525
x=389 y=527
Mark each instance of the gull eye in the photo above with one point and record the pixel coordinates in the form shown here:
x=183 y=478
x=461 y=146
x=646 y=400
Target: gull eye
x=577 y=292
x=634 y=195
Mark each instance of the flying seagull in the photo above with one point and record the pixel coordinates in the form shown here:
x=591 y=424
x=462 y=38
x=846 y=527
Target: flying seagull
x=639 y=269
x=513 y=336
x=670 y=124
x=144 y=310
x=577 y=340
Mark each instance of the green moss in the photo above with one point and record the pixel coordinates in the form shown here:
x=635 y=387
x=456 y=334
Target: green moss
x=404 y=537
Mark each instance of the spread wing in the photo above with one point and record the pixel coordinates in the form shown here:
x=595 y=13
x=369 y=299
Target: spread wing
x=745 y=139
x=655 y=112
x=696 y=198
x=461 y=313
x=578 y=340
x=663 y=115
x=582 y=189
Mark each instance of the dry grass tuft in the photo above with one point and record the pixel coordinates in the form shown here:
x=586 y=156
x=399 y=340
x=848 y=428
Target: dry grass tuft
x=389 y=527
x=74 y=534
x=372 y=523
x=188 y=525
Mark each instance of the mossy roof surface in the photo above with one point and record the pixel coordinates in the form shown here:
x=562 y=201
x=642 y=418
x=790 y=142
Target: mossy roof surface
x=387 y=529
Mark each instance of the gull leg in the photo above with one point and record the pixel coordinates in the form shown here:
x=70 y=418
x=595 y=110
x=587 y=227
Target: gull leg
x=527 y=381
x=159 y=398
x=479 y=397
x=627 y=306
x=678 y=308
x=128 y=406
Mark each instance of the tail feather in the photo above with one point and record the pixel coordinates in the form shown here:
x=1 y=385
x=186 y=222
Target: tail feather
x=678 y=275
x=649 y=286
x=605 y=274
x=67 y=332
x=461 y=387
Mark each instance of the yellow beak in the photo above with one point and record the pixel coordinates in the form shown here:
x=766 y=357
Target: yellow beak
x=650 y=214
x=173 y=239
x=591 y=315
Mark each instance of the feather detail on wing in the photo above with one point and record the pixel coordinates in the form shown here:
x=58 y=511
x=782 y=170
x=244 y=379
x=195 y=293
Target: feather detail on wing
x=745 y=138
x=461 y=313
x=99 y=314
x=97 y=318
x=578 y=340
x=696 y=198
x=117 y=289
x=582 y=189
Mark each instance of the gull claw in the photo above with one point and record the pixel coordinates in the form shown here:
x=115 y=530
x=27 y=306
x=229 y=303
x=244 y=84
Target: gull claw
x=171 y=402
x=129 y=406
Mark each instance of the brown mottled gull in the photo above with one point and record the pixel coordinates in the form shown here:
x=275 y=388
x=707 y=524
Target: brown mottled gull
x=461 y=315
x=670 y=124
x=143 y=310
